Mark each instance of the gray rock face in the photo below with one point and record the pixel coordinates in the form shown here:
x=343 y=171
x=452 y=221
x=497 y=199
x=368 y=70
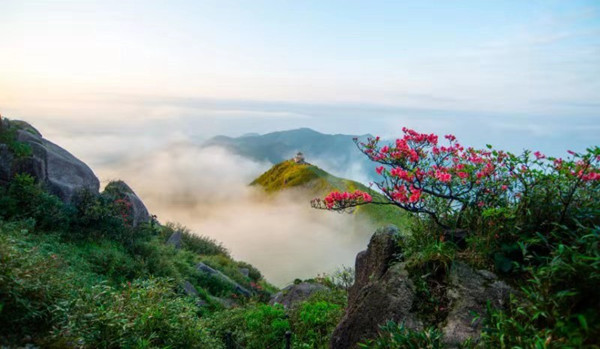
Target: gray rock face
x=374 y=261
x=382 y=291
x=215 y=273
x=59 y=170
x=293 y=294
x=469 y=291
x=176 y=240
x=6 y=163
x=189 y=289
x=244 y=271
x=139 y=212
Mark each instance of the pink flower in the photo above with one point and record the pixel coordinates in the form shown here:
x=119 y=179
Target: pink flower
x=415 y=196
x=444 y=177
x=539 y=155
x=400 y=173
x=504 y=187
x=379 y=170
x=451 y=138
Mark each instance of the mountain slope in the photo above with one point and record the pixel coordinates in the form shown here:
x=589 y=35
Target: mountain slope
x=312 y=181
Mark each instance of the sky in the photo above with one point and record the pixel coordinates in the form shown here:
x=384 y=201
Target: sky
x=130 y=86
x=516 y=69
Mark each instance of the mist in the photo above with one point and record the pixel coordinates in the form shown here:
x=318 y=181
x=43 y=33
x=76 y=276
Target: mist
x=206 y=189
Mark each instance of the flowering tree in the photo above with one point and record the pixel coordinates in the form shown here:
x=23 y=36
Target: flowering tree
x=421 y=175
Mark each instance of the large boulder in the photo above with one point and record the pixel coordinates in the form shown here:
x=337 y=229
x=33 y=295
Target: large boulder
x=469 y=291
x=6 y=163
x=201 y=267
x=382 y=291
x=120 y=189
x=62 y=173
x=294 y=294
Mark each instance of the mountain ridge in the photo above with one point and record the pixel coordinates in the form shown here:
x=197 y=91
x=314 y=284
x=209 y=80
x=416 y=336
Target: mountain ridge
x=313 y=182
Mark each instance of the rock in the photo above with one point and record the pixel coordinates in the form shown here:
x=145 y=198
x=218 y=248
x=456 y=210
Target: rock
x=469 y=291
x=59 y=170
x=457 y=236
x=6 y=163
x=225 y=302
x=244 y=271
x=176 y=239
x=374 y=261
x=382 y=291
x=215 y=273
x=189 y=289
x=139 y=212
x=297 y=293
x=34 y=165
x=25 y=126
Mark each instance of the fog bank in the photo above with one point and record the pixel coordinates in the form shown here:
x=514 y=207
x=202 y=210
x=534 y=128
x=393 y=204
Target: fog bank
x=207 y=190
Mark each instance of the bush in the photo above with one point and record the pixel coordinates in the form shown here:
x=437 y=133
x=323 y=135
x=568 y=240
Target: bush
x=256 y=326
x=32 y=281
x=395 y=336
x=26 y=199
x=313 y=322
x=144 y=314
x=98 y=217
x=8 y=136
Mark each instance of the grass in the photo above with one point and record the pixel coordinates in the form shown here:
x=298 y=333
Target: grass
x=315 y=182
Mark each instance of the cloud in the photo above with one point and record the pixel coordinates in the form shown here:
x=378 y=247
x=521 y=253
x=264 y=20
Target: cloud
x=207 y=190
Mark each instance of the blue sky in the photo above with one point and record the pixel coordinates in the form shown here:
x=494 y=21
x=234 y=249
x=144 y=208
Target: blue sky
x=519 y=73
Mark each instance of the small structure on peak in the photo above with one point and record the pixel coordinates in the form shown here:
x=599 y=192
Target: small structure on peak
x=299 y=158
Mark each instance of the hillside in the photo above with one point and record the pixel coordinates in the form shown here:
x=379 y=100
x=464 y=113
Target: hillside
x=315 y=182
x=84 y=268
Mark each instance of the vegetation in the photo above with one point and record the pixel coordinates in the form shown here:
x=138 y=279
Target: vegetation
x=81 y=275
x=530 y=218
x=258 y=326
x=314 y=182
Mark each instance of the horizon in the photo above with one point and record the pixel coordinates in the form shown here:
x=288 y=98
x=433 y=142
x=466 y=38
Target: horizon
x=527 y=78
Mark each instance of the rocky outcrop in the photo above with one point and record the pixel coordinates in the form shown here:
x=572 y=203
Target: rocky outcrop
x=120 y=189
x=469 y=291
x=6 y=164
x=62 y=173
x=382 y=291
x=201 y=267
x=293 y=294
x=176 y=239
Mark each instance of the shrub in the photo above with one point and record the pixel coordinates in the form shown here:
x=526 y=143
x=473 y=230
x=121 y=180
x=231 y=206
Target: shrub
x=145 y=313
x=31 y=282
x=396 y=336
x=97 y=217
x=255 y=326
x=313 y=322
x=26 y=199
x=8 y=136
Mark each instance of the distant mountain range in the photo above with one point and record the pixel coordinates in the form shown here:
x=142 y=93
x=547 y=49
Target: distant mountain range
x=335 y=153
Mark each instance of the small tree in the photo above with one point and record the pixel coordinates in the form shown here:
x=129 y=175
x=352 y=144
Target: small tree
x=444 y=181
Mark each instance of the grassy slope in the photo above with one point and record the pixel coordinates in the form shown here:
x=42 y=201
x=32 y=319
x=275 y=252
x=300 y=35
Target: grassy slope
x=317 y=183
